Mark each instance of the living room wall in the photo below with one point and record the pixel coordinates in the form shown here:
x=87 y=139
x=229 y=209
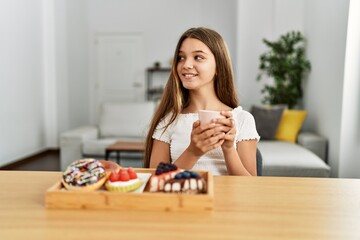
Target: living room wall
x=22 y=120
x=325 y=26
x=259 y=19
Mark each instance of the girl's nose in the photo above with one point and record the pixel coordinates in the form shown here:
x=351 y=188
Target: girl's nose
x=188 y=64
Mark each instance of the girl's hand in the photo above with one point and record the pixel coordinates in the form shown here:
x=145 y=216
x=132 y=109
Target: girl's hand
x=229 y=123
x=206 y=137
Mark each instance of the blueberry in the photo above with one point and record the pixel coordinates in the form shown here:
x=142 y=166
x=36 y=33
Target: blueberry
x=186 y=174
x=179 y=176
x=194 y=175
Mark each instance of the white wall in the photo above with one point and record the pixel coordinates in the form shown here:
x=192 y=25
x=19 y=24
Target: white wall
x=349 y=166
x=77 y=43
x=257 y=13
x=259 y=19
x=325 y=27
x=164 y=23
x=22 y=129
x=49 y=73
x=61 y=59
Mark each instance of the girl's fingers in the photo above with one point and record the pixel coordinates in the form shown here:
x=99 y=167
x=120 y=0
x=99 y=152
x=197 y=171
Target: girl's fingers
x=226 y=114
x=229 y=137
x=213 y=146
x=218 y=144
x=227 y=121
x=232 y=131
x=214 y=132
x=198 y=129
x=196 y=124
x=205 y=145
x=214 y=139
x=223 y=128
x=232 y=122
x=206 y=128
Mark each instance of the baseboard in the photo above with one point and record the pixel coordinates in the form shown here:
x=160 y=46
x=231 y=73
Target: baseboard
x=29 y=158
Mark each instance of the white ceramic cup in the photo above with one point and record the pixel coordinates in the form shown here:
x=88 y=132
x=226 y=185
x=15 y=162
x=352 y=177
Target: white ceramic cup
x=205 y=116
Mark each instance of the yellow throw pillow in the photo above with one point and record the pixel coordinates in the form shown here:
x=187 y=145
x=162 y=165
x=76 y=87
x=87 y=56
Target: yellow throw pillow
x=290 y=125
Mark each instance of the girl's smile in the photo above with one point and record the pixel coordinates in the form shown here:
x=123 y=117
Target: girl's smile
x=189 y=76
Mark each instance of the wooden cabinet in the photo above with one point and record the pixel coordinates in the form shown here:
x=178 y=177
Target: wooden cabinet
x=156 y=80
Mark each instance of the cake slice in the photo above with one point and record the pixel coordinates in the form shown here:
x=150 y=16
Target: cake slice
x=163 y=173
x=186 y=182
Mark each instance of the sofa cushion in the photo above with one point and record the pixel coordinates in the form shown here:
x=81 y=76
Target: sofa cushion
x=267 y=120
x=125 y=119
x=282 y=158
x=290 y=125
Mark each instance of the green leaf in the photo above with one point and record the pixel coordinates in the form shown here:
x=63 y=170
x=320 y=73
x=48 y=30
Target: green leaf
x=286 y=63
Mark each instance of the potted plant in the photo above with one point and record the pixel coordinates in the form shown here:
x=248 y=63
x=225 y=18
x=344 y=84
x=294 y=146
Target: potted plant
x=285 y=62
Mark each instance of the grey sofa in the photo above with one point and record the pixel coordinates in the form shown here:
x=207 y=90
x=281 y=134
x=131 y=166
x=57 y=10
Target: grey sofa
x=306 y=158
x=130 y=121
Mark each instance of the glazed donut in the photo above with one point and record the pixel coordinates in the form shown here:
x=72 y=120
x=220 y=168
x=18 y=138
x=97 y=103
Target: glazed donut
x=110 y=166
x=84 y=175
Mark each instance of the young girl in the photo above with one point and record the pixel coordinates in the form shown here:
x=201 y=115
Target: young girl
x=202 y=79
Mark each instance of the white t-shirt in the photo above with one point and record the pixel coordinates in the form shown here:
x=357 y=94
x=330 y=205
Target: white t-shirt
x=179 y=132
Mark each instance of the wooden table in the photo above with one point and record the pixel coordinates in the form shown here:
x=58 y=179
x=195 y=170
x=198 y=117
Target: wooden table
x=124 y=146
x=244 y=208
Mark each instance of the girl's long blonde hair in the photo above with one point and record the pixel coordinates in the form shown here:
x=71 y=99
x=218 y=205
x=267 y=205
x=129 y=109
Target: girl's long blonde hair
x=175 y=97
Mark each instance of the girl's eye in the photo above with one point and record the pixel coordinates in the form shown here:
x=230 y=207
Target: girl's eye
x=199 y=57
x=180 y=58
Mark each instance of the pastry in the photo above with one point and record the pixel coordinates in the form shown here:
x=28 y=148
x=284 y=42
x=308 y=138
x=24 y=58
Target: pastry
x=164 y=172
x=186 y=182
x=84 y=175
x=126 y=180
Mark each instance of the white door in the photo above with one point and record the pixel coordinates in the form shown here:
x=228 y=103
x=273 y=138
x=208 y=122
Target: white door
x=120 y=74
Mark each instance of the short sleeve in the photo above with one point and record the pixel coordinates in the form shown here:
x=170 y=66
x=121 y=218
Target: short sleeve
x=159 y=133
x=245 y=125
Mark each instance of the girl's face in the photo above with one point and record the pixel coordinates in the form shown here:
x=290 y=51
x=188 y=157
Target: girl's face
x=196 y=64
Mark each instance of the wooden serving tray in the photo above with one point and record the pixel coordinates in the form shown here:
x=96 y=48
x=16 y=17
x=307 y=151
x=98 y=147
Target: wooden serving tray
x=57 y=197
